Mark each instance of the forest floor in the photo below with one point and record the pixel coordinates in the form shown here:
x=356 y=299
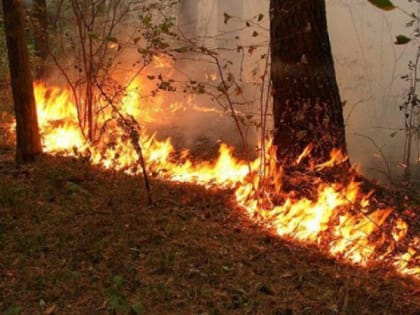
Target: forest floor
x=75 y=239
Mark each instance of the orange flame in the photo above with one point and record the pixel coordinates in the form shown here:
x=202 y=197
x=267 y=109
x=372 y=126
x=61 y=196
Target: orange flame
x=163 y=61
x=337 y=218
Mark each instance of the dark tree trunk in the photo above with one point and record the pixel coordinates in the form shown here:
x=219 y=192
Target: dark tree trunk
x=28 y=139
x=307 y=105
x=40 y=22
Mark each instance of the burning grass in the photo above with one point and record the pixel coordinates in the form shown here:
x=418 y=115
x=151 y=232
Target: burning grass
x=346 y=222
x=75 y=239
x=333 y=213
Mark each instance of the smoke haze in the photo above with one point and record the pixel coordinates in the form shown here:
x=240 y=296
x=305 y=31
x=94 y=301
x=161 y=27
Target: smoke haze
x=369 y=67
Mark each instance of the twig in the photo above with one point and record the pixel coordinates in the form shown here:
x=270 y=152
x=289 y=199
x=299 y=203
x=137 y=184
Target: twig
x=134 y=137
x=388 y=169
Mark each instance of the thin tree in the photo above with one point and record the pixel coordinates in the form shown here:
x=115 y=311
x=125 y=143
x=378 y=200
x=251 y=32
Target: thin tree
x=40 y=23
x=307 y=104
x=28 y=143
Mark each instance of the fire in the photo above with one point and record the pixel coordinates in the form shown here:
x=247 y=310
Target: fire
x=336 y=157
x=57 y=117
x=163 y=61
x=337 y=217
x=211 y=76
x=326 y=220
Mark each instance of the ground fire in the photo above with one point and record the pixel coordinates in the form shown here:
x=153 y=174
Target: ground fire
x=335 y=216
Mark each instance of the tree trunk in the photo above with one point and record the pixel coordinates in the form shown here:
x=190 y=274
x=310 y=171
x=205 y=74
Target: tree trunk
x=307 y=106
x=40 y=22
x=28 y=139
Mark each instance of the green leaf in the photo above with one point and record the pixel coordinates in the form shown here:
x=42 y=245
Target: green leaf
x=138 y=308
x=401 y=40
x=386 y=5
x=12 y=310
x=118 y=303
x=93 y=35
x=76 y=189
x=112 y=39
x=117 y=282
x=100 y=8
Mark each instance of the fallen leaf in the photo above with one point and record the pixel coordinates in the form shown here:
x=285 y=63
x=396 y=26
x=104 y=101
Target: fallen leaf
x=50 y=309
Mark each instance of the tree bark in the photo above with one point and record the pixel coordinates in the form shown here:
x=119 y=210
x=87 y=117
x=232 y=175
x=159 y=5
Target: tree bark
x=307 y=106
x=40 y=22
x=28 y=143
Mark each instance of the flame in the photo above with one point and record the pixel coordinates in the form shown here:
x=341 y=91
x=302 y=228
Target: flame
x=113 y=45
x=163 y=61
x=305 y=153
x=58 y=119
x=336 y=157
x=337 y=217
x=211 y=76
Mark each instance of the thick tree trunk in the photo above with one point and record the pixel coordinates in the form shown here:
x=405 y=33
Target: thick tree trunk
x=40 y=22
x=28 y=139
x=307 y=105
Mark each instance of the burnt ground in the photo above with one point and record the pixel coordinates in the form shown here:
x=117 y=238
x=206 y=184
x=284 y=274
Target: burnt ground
x=77 y=240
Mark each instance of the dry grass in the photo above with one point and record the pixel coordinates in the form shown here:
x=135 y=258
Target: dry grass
x=78 y=240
